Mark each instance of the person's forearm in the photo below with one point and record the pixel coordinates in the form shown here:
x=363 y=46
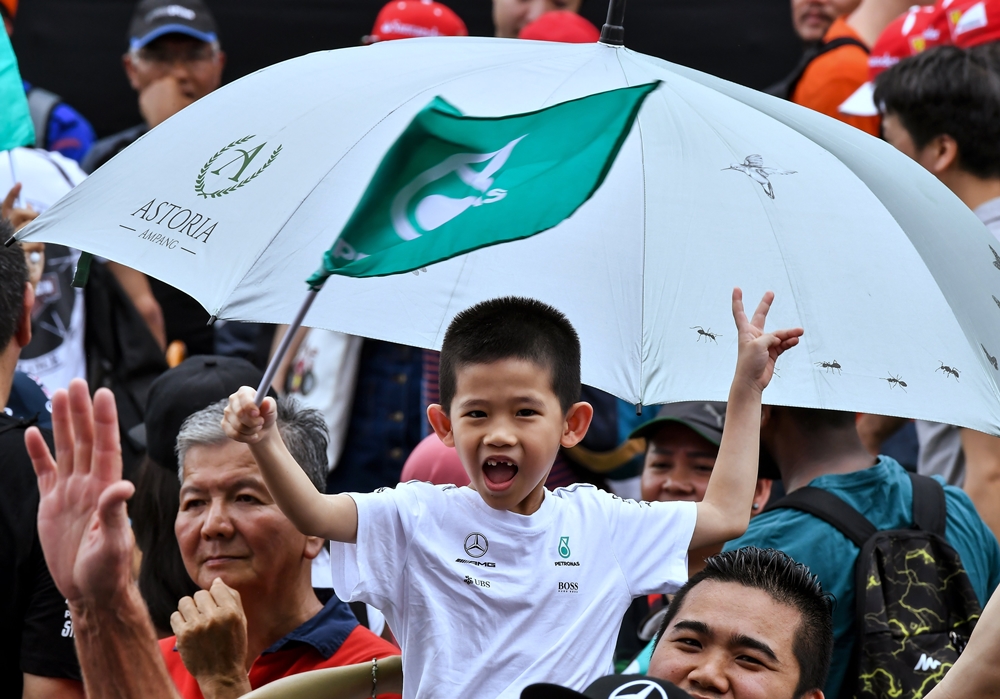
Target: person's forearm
x=312 y=513
x=136 y=286
x=724 y=513
x=976 y=673
x=224 y=687
x=349 y=682
x=118 y=651
x=982 y=475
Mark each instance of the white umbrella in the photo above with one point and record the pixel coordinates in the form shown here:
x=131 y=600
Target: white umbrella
x=234 y=200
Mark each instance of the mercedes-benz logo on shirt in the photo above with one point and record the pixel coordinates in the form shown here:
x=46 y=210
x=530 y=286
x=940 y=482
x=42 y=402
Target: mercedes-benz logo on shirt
x=640 y=689
x=476 y=545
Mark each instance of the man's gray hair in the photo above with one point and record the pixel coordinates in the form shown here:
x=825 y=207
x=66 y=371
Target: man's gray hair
x=302 y=429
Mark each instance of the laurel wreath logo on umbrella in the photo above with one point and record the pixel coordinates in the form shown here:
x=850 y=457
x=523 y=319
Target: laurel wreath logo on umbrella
x=244 y=157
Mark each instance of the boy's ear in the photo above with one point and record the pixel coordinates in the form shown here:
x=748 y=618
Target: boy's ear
x=577 y=423
x=940 y=155
x=441 y=423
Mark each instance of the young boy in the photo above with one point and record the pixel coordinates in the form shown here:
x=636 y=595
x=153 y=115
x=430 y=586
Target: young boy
x=493 y=587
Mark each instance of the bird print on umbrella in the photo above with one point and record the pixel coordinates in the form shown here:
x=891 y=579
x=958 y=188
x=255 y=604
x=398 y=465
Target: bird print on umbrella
x=753 y=167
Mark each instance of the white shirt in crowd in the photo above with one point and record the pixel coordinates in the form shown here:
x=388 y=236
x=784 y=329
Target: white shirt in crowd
x=485 y=602
x=56 y=353
x=941 y=445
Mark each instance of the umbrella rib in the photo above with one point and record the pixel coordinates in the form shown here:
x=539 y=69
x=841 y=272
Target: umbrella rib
x=642 y=303
x=777 y=242
x=320 y=180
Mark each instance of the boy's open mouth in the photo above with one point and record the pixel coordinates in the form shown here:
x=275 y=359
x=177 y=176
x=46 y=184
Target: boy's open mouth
x=499 y=472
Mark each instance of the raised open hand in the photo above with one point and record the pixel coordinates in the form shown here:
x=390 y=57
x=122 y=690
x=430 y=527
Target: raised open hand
x=759 y=350
x=82 y=523
x=18 y=217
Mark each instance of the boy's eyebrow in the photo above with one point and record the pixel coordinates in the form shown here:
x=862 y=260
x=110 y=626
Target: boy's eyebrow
x=525 y=400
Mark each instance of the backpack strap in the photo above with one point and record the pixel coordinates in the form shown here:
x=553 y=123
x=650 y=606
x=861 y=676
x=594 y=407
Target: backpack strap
x=831 y=509
x=41 y=102
x=786 y=87
x=929 y=510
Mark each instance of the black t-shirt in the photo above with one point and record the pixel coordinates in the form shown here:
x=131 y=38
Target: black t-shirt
x=36 y=633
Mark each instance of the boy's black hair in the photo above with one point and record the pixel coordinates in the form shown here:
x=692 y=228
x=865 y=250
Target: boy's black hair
x=948 y=91
x=13 y=275
x=512 y=328
x=787 y=582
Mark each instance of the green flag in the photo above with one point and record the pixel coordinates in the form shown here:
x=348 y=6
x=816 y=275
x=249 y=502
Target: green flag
x=452 y=184
x=15 y=121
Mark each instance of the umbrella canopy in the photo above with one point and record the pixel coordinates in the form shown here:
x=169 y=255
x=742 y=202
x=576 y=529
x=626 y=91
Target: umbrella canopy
x=235 y=199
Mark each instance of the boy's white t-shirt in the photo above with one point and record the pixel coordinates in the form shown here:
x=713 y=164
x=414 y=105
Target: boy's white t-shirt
x=485 y=602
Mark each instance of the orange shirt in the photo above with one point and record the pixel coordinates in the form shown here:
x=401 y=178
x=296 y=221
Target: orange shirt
x=834 y=76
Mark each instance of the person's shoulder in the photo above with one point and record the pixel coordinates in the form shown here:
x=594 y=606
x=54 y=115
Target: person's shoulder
x=106 y=148
x=426 y=489
x=780 y=528
x=848 y=62
x=962 y=512
x=360 y=646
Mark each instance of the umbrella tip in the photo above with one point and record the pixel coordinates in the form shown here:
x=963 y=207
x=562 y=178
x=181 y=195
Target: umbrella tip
x=10 y=241
x=638 y=408
x=613 y=31
x=212 y=319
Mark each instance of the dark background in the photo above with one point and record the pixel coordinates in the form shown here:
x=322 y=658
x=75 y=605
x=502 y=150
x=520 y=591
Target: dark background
x=74 y=47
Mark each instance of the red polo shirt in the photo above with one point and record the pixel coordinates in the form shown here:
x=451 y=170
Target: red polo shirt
x=332 y=638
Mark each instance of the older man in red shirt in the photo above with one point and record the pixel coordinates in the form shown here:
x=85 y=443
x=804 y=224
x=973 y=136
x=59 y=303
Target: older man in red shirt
x=257 y=618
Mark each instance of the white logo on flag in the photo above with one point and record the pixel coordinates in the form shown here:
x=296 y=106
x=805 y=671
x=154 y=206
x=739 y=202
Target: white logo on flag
x=973 y=18
x=435 y=210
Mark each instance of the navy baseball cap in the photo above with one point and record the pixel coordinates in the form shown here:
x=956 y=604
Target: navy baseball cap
x=610 y=687
x=704 y=417
x=178 y=393
x=155 y=18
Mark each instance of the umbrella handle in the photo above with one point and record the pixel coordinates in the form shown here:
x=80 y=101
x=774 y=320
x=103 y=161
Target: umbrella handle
x=286 y=341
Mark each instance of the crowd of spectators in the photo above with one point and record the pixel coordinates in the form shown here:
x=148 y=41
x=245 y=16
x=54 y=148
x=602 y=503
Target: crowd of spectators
x=162 y=536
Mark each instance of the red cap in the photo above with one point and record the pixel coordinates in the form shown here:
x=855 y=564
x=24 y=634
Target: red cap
x=433 y=462
x=972 y=22
x=561 y=25
x=408 y=19
x=914 y=31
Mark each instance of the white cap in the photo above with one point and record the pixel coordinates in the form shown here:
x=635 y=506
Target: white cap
x=862 y=102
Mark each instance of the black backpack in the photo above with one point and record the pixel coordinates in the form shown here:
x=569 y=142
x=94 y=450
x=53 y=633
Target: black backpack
x=785 y=87
x=915 y=607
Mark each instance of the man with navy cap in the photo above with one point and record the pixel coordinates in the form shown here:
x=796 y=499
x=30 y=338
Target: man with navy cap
x=173 y=59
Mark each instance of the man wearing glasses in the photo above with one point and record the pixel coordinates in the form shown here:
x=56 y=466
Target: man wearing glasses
x=173 y=59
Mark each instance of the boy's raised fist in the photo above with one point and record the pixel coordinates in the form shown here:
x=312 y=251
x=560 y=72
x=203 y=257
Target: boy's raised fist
x=244 y=421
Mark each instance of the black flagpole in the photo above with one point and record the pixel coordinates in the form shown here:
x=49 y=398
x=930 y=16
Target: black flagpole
x=613 y=31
